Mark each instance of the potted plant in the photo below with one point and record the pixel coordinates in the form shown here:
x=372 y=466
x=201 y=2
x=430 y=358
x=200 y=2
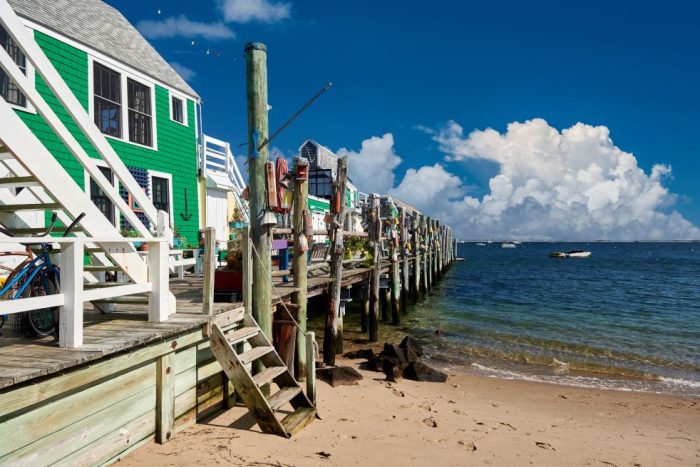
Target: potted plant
x=131 y=233
x=236 y=221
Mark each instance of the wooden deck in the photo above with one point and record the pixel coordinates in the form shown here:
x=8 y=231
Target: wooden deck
x=23 y=359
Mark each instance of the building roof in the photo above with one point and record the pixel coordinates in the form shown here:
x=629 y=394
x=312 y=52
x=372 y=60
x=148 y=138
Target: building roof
x=103 y=28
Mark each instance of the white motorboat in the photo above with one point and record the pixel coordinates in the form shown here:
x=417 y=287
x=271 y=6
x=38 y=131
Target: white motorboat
x=570 y=254
x=481 y=244
x=508 y=245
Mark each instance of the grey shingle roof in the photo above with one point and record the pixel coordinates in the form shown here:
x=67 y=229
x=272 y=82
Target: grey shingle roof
x=103 y=28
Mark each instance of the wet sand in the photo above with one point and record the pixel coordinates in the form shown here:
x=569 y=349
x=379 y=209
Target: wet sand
x=469 y=420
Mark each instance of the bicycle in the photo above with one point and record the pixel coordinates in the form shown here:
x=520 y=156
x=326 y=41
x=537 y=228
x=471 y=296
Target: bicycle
x=34 y=277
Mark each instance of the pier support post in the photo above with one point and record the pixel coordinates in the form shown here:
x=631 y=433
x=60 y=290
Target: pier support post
x=417 y=259
x=375 y=236
x=209 y=266
x=332 y=339
x=247 y=271
x=299 y=263
x=364 y=311
x=165 y=397
x=310 y=367
x=394 y=275
x=425 y=248
x=405 y=282
x=431 y=253
x=256 y=90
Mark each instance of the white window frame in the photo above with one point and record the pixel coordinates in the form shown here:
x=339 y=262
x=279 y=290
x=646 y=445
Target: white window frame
x=182 y=97
x=115 y=182
x=169 y=177
x=124 y=75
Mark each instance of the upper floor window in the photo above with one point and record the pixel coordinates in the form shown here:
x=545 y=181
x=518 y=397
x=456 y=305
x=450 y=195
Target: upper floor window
x=177 y=107
x=108 y=100
x=8 y=89
x=140 y=128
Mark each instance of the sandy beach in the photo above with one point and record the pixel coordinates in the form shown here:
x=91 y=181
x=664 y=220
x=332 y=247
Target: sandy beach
x=469 y=420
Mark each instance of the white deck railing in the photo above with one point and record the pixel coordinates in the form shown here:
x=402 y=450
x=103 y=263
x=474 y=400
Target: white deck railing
x=217 y=157
x=73 y=295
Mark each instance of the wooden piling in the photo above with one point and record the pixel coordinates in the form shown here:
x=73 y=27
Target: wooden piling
x=417 y=258
x=247 y=271
x=209 y=265
x=425 y=242
x=332 y=340
x=375 y=236
x=394 y=280
x=364 y=311
x=310 y=367
x=405 y=282
x=299 y=263
x=256 y=90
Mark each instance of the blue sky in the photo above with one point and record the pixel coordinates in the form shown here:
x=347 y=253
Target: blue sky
x=398 y=66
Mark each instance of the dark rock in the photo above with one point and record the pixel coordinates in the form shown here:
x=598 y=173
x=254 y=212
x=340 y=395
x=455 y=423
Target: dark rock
x=412 y=348
x=339 y=375
x=419 y=371
x=375 y=363
x=392 y=369
x=394 y=353
x=361 y=353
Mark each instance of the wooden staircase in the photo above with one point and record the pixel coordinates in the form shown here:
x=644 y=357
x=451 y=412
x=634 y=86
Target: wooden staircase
x=236 y=351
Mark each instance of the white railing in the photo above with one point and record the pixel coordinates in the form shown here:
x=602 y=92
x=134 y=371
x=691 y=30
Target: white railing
x=73 y=295
x=217 y=157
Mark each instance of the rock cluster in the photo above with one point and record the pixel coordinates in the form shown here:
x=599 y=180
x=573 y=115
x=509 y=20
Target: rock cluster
x=403 y=360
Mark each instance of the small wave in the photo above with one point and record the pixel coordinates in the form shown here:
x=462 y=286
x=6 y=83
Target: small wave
x=680 y=382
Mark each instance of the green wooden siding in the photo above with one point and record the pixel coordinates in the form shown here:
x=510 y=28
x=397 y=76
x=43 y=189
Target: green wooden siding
x=177 y=144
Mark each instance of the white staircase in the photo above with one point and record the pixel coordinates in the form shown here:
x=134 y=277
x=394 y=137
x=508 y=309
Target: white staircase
x=46 y=186
x=218 y=163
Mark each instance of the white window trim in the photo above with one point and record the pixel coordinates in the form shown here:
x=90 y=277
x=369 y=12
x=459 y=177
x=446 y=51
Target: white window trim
x=182 y=97
x=115 y=182
x=124 y=75
x=31 y=75
x=169 y=177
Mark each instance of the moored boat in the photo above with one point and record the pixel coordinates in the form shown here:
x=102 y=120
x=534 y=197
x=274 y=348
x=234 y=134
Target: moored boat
x=508 y=245
x=570 y=254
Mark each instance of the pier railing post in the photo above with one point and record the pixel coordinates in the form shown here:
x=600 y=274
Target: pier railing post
x=247 y=271
x=299 y=263
x=209 y=266
x=405 y=283
x=375 y=236
x=394 y=275
x=256 y=89
x=332 y=339
x=417 y=259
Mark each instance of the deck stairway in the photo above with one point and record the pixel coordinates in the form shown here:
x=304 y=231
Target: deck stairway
x=217 y=162
x=33 y=183
x=236 y=350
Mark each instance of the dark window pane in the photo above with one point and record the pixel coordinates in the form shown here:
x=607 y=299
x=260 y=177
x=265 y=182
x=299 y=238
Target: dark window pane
x=139 y=100
x=101 y=200
x=161 y=193
x=8 y=89
x=108 y=98
x=178 y=114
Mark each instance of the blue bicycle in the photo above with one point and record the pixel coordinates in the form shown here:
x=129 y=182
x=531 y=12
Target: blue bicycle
x=35 y=276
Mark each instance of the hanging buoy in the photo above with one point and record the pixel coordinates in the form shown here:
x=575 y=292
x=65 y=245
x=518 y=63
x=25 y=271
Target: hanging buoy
x=271 y=180
x=302 y=244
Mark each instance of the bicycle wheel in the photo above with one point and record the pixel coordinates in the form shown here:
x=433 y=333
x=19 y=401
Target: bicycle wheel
x=43 y=321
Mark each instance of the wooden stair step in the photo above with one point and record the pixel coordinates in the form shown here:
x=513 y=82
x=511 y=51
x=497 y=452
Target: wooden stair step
x=255 y=353
x=99 y=285
x=283 y=396
x=268 y=374
x=29 y=207
x=91 y=268
x=242 y=334
x=18 y=182
x=297 y=420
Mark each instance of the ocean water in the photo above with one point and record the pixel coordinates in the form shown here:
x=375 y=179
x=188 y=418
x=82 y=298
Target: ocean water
x=627 y=317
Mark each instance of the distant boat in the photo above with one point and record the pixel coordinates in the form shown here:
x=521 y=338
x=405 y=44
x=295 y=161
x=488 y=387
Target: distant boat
x=508 y=245
x=481 y=244
x=517 y=242
x=570 y=254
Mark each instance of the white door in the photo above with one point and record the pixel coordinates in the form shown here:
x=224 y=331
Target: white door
x=217 y=211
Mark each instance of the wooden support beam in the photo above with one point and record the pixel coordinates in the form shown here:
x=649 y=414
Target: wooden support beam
x=247 y=268
x=209 y=267
x=165 y=397
x=395 y=290
x=332 y=338
x=403 y=229
x=299 y=265
x=256 y=87
x=310 y=367
x=375 y=236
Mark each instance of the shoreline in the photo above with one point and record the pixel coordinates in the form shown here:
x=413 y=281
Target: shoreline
x=470 y=419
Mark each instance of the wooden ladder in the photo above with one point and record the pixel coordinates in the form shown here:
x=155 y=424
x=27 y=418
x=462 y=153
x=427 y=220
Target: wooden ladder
x=235 y=358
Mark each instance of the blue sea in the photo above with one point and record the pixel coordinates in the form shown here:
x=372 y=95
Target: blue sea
x=627 y=317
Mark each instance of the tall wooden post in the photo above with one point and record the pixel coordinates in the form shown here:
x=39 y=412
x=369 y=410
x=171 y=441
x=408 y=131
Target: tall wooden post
x=209 y=266
x=247 y=271
x=375 y=236
x=299 y=263
x=405 y=283
x=417 y=259
x=425 y=242
x=441 y=238
x=431 y=245
x=256 y=86
x=395 y=291
x=331 y=336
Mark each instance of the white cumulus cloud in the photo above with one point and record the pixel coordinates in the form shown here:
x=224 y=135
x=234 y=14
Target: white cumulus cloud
x=372 y=167
x=573 y=184
x=244 y=11
x=181 y=26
